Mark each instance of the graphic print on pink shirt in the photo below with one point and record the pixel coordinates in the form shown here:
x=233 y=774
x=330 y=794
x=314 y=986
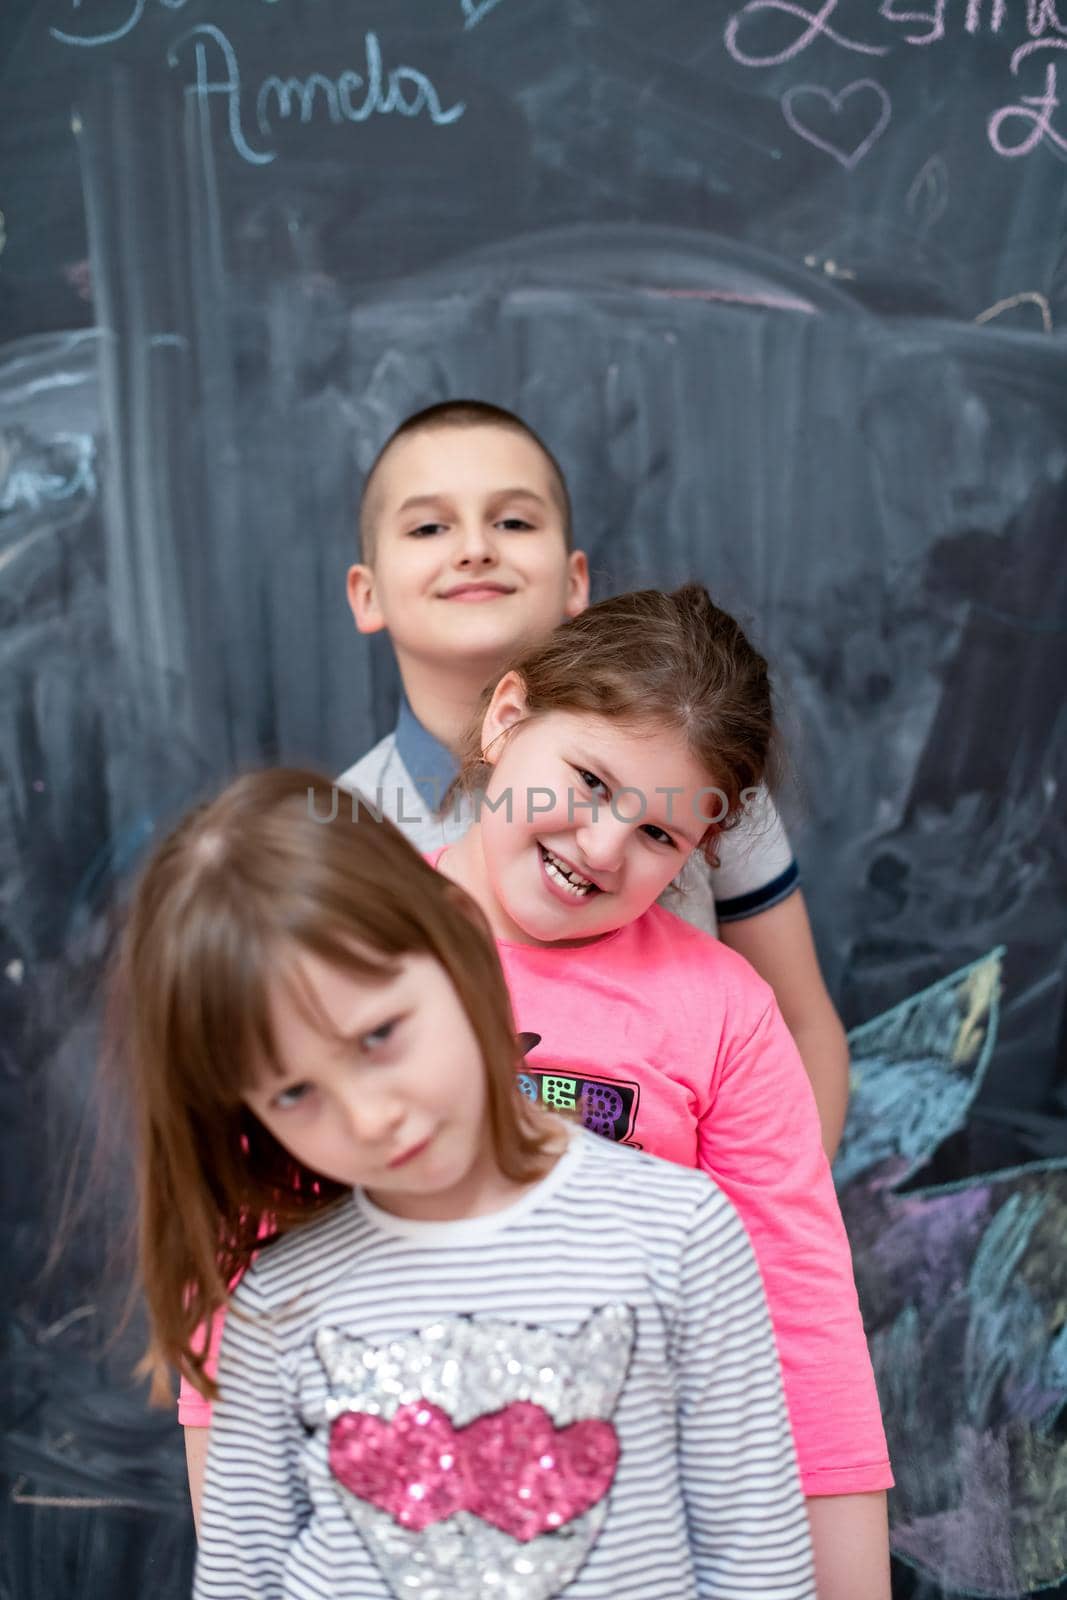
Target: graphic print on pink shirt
x=607 y=1105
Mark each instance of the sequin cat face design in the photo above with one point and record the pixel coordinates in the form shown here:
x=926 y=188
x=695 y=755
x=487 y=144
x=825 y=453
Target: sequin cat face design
x=477 y=1457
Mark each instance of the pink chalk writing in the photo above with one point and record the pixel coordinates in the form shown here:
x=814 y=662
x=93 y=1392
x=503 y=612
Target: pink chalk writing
x=973 y=21
x=1032 y=116
x=933 y=18
x=927 y=199
x=815 y=25
x=769 y=33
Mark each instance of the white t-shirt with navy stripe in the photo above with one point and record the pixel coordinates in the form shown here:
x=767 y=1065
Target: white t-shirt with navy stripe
x=577 y=1395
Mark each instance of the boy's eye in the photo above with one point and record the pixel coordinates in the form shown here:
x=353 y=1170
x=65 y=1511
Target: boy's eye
x=426 y=530
x=591 y=781
x=286 y=1099
x=379 y=1035
x=515 y=525
x=658 y=835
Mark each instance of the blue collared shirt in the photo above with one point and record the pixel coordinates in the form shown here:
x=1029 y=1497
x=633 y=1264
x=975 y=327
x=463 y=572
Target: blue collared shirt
x=430 y=764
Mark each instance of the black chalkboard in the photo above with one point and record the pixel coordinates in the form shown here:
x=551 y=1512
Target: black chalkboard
x=784 y=286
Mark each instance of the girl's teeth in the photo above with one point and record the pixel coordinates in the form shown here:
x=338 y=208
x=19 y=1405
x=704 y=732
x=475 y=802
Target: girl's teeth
x=560 y=874
x=565 y=883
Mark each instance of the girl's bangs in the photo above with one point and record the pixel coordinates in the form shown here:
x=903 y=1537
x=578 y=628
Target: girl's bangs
x=283 y=972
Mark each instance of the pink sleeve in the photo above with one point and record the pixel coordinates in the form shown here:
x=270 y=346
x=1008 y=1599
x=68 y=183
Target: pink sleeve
x=760 y=1140
x=193 y=1410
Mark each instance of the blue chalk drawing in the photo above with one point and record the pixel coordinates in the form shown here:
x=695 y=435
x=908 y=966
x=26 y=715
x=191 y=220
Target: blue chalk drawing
x=32 y=475
x=963 y=1288
x=916 y=1070
x=475 y=10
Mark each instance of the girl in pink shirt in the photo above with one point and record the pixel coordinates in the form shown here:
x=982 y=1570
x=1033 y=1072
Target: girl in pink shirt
x=614 y=750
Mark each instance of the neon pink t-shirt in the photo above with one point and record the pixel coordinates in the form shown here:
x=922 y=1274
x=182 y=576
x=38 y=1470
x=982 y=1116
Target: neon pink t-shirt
x=661 y=1037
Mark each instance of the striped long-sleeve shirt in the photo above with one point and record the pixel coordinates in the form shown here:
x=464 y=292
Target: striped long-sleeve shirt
x=577 y=1395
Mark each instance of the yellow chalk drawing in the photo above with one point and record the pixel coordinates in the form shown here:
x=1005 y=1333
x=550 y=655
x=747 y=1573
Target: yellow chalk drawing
x=976 y=993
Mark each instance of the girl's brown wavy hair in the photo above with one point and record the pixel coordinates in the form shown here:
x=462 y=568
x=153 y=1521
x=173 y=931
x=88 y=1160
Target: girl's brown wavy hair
x=663 y=661
x=280 y=863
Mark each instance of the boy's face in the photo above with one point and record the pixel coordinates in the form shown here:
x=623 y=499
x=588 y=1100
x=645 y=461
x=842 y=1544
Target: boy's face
x=470 y=558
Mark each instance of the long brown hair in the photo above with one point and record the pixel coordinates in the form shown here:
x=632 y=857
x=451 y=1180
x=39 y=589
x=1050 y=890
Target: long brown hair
x=280 y=863
x=656 y=660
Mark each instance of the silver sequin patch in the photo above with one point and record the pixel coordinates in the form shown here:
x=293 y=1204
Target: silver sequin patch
x=473 y=1369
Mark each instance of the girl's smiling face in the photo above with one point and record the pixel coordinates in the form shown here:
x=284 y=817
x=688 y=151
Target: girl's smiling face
x=585 y=820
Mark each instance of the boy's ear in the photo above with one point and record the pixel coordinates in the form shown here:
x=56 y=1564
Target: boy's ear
x=577 y=584
x=506 y=710
x=363 y=599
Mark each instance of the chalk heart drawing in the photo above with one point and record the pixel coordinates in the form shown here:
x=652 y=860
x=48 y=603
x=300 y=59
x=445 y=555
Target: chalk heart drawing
x=880 y=106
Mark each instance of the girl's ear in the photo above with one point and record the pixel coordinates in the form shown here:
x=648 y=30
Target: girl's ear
x=506 y=710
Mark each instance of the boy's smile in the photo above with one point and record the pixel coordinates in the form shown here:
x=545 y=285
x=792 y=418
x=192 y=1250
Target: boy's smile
x=470 y=551
x=476 y=591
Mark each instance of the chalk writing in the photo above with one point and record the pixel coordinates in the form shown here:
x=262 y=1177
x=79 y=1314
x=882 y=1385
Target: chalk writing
x=848 y=157
x=230 y=86
x=1042 y=17
x=973 y=22
x=113 y=35
x=60 y=472
x=934 y=19
x=350 y=97
x=110 y=36
x=475 y=10
x=1033 y=112
x=768 y=33
x=1028 y=297
x=815 y=25
x=927 y=199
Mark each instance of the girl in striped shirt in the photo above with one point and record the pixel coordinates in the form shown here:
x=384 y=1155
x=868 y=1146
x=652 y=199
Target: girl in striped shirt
x=477 y=1350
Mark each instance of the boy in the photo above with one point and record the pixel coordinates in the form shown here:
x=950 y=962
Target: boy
x=467 y=551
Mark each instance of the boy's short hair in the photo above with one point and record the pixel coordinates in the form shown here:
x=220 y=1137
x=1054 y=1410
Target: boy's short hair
x=457 y=414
